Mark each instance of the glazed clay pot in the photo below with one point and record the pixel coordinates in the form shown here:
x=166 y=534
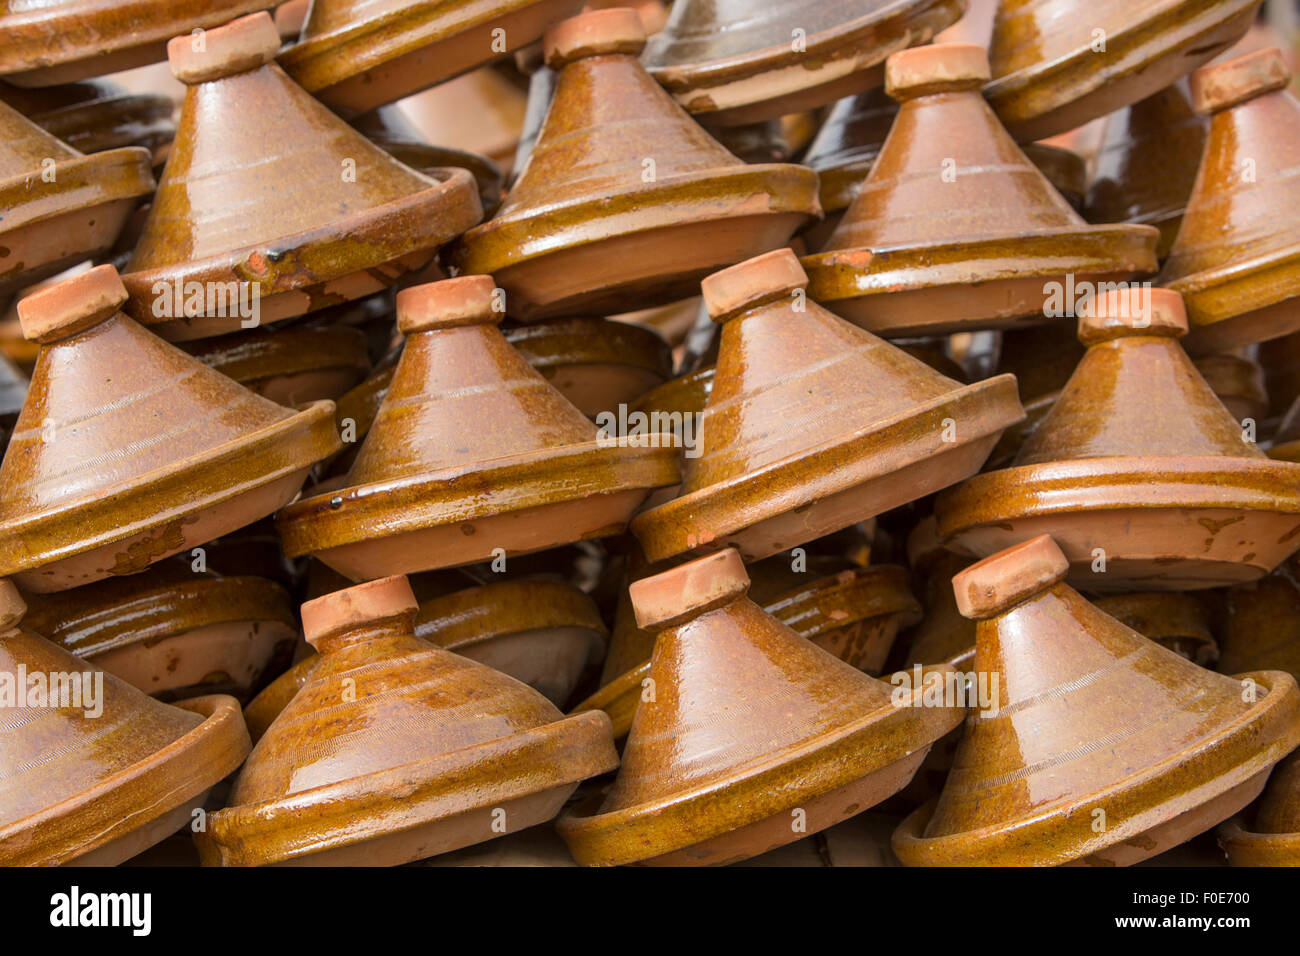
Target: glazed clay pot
x=814 y=424
x=744 y=61
x=128 y=450
x=67 y=40
x=60 y=207
x=1274 y=837
x=97 y=115
x=268 y=193
x=944 y=633
x=1042 y=358
x=626 y=202
x=290 y=366
x=1261 y=625
x=1139 y=472
x=1103 y=748
x=1051 y=75
x=1238 y=380
x=354 y=55
x=13 y=391
x=955 y=228
x=1179 y=622
x=466 y=746
x=481 y=111
x=1235 y=258
x=748 y=723
x=472 y=454
x=95 y=782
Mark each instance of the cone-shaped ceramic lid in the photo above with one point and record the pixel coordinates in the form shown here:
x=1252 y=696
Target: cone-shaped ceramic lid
x=355 y=55
x=744 y=721
x=1097 y=745
x=1139 y=472
x=847 y=144
x=98 y=114
x=471 y=451
x=60 y=207
x=1059 y=63
x=1236 y=259
x=92 y=770
x=268 y=192
x=384 y=710
x=128 y=450
x=952 y=200
x=1272 y=837
x=742 y=61
x=626 y=202
x=1180 y=622
x=814 y=424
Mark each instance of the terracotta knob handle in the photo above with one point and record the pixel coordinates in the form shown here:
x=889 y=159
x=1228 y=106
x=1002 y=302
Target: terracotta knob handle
x=289 y=18
x=688 y=590
x=595 y=33
x=936 y=68
x=739 y=288
x=989 y=587
x=72 y=306
x=356 y=607
x=240 y=45
x=447 y=304
x=1242 y=78
x=1133 y=311
x=12 y=605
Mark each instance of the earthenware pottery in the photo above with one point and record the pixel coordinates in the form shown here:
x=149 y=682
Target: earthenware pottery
x=534 y=847
x=743 y=61
x=110 y=772
x=290 y=366
x=596 y=364
x=472 y=455
x=1286 y=439
x=96 y=115
x=128 y=450
x=289 y=18
x=269 y=194
x=955 y=228
x=763 y=142
x=384 y=711
x=253 y=549
x=1274 y=837
x=60 y=207
x=67 y=40
x=1102 y=747
x=1059 y=63
x=1238 y=380
x=541 y=90
x=686 y=395
x=626 y=202
x=13 y=391
x=944 y=634
x=814 y=424
x=857 y=842
x=354 y=55
x=1281 y=362
x=746 y=724
x=481 y=111
x=1145 y=480
x=1179 y=622
x=1261 y=624
x=1235 y=258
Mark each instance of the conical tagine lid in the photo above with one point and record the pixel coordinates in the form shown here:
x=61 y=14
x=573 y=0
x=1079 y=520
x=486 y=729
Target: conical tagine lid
x=1143 y=477
x=1102 y=747
x=471 y=453
x=626 y=202
x=128 y=450
x=92 y=771
x=746 y=724
x=386 y=712
x=814 y=424
x=60 y=207
x=269 y=196
x=744 y=61
x=1059 y=63
x=1237 y=259
x=354 y=55
x=955 y=228
x=1273 y=837
x=97 y=115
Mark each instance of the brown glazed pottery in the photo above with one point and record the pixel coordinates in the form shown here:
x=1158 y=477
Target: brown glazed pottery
x=1261 y=624
x=814 y=424
x=13 y=392
x=481 y=111
x=1103 y=748
x=94 y=782
x=61 y=41
x=472 y=455
x=955 y=228
x=60 y=207
x=1179 y=622
x=1238 y=380
x=1274 y=839
x=1147 y=163
x=944 y=634
x=1236 y=260
x=354 y=55
x=1059 y=63
x=267 y=192
x=686 y=394
x=472 y=752
x=626 y=202
x=128 y=450
x=749 y=727
x=744 y=61
x=96 y=115
x=1140 y=474
x=1042 y=358
x=173 y=632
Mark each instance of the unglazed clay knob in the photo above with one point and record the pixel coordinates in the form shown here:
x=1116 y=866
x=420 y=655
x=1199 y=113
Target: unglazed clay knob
x=72 y=306
x=991 y=586
x=240 y=45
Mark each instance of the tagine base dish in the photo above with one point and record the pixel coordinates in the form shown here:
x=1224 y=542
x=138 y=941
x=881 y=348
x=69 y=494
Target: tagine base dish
x=1245 y=306
x=1247 y=848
